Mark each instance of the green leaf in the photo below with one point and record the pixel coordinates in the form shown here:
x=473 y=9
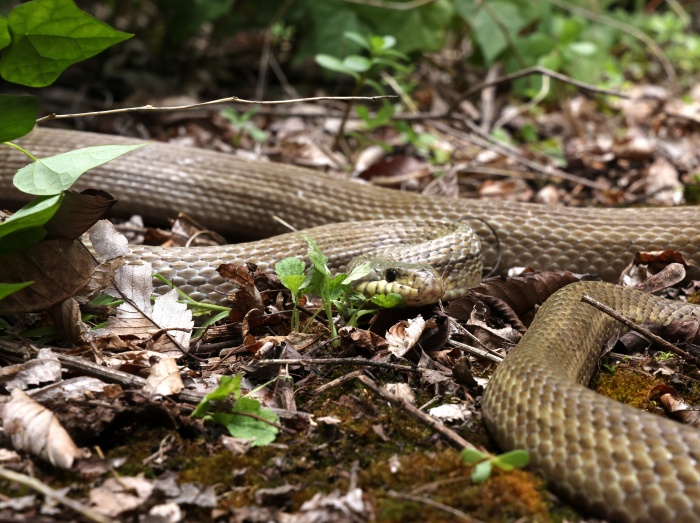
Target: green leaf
x=10 y=288
x=583 y=48
x=382 y=43
x=4 y=33
x=359 y=64
x=360 y=271
x=18 y=115
x=48 y=37
x=33 y=215
x=57 y=173
x=252 y=429
x=334 y=64
x=317 y=258
x=388 y=301
x=515 y=458
x=290 y=271
x=482 y=471
x=229 y=386
x=472 y=455
x=358 y=39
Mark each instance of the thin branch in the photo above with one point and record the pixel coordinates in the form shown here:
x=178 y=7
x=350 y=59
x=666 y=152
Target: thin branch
x=487 y=141
x=232 y=99
x=646 y=333
x=428 y=420
x=537 y=69
x=47 y=491
x=340 y=361
x=427 y=501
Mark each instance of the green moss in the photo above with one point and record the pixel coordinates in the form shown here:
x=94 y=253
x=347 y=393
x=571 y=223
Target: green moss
x=626 y=386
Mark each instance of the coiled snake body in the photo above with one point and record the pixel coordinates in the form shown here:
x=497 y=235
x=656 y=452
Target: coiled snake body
x=617 y=462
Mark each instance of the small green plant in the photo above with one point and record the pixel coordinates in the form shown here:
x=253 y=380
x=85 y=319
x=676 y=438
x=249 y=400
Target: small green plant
x=246 y=420
x=484 y=462
x=364 y=69
x=334 y=291
x=663 y=356
x=242 y=122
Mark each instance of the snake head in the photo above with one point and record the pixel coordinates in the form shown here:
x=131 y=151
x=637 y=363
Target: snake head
x=416 y=283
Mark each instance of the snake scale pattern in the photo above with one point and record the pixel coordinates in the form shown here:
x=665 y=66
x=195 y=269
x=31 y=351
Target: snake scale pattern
x=610 y=459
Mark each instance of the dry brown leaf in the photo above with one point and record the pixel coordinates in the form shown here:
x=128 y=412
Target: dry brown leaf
x=138 y=317
x=164 y=378
x=675 y=406
x=58 y=268
x=44 y=369
x=78 y=212
x=118 y=495
x=36 y=430
x=403 y=336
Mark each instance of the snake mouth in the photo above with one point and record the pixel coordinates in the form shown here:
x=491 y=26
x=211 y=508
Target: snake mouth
x=416 y=285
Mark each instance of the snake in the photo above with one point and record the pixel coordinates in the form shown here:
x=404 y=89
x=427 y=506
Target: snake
x=606 y=458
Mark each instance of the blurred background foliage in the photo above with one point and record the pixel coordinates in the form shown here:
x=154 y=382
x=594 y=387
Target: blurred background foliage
x=218 y=43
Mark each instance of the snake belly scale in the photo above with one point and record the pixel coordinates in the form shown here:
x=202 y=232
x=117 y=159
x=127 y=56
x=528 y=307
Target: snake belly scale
x=615 y=461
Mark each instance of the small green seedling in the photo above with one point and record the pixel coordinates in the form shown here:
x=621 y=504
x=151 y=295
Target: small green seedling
x=334 y=291
x=242 y=122
x=247 y=420
x=484 y=462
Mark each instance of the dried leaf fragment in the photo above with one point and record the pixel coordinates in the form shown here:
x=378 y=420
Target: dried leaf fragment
x=36 y=430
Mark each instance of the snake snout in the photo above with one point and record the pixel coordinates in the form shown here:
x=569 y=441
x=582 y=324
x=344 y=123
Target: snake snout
x=417 y=284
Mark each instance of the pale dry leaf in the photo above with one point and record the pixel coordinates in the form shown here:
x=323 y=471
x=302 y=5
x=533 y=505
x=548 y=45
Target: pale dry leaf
x=137 y=317
x=663 y=184
x=164 y=378
x=403 y=336
x=116 y=496
x=403 y=391
x=36 y=430
x=450 y=412
x=107 y=242
x=33 y=372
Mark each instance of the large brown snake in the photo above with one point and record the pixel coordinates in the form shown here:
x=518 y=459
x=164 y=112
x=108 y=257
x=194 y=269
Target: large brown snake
x=611 y=459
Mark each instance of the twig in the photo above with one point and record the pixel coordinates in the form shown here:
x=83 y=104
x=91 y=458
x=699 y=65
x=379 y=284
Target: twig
x=427 y=501
x=47 y=491
x=633 y=326
x=537 y=69
x=232 y=99
x=487 y=141
x=475 y=351
x=340 y=361
x=337 y=382
x=431 y=422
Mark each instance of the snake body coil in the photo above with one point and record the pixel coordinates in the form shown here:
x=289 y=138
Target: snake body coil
x=618 y=462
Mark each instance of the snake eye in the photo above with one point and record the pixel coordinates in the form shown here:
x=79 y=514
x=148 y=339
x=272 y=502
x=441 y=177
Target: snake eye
x=390 y=275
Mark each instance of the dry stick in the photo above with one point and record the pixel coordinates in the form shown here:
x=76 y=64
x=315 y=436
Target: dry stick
x=427 y=501
x=537 y=69
x=639 y=35
x=338 y=382
x=340 y=361
x=431 y=422
x=487 y=141
x=232 y=99
x=47 y=491
x=633 y=326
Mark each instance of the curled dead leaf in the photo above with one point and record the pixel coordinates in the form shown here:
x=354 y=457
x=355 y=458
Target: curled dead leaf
x=36 y=430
